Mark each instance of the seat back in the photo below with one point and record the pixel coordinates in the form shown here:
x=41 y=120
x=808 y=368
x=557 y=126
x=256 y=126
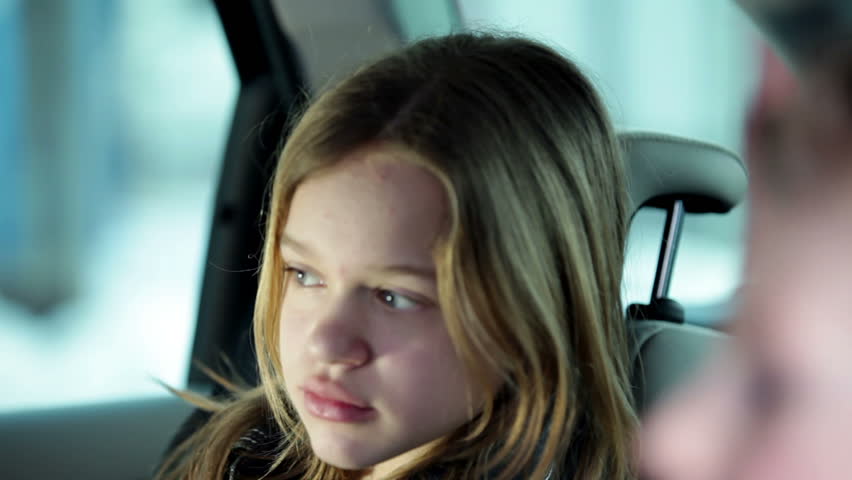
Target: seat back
x=663 y=354
x=681 y=176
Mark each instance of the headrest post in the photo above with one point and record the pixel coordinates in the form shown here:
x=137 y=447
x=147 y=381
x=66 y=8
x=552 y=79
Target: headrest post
x=668 y=250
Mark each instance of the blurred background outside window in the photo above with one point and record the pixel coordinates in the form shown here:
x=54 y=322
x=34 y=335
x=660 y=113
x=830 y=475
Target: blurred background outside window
x=113 y=118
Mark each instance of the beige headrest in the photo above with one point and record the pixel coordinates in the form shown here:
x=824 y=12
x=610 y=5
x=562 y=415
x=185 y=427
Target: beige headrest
x=706 y=177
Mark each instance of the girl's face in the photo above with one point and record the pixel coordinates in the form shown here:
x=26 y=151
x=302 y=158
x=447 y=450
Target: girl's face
x=368 y=362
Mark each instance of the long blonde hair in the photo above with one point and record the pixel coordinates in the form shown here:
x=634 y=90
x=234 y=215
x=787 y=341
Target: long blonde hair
x=529 y=270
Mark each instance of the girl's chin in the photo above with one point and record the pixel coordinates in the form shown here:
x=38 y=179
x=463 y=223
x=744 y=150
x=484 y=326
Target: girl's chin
x=348 y=455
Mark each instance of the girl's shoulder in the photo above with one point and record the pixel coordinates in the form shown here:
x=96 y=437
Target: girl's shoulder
x=250 y=456
x=254 y=452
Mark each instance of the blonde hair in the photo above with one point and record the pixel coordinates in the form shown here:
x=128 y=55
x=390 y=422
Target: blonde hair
x=529 y=269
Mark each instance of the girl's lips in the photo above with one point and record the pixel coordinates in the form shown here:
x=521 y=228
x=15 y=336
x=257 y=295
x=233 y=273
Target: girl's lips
x=336 y=410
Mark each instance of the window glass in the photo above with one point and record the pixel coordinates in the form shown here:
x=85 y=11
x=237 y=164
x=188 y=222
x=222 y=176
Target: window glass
x=113 y=119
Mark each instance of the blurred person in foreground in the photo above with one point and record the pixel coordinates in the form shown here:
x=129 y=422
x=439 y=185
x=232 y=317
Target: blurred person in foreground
x=776 y=402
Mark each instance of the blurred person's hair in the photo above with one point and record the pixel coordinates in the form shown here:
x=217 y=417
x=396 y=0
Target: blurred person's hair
x=528 y=270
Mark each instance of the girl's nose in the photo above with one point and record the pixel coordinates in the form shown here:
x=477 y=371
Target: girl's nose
x=337 y=339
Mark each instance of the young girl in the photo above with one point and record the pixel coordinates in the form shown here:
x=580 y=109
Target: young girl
x=440 y=289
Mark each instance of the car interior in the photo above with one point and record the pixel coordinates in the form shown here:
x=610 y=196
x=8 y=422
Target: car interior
x=281 y=51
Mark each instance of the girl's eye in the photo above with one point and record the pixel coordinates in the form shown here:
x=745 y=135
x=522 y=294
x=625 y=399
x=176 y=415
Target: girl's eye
x=397 y=301
x=303 y=277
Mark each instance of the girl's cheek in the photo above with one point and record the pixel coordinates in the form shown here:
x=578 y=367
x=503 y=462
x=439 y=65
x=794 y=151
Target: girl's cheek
x=294 y=325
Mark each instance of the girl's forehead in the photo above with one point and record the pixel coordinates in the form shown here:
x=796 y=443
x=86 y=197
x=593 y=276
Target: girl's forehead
x=380 y=173
x=371 y=203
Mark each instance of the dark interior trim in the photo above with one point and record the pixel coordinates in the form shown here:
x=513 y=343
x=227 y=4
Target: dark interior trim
x=271 y=82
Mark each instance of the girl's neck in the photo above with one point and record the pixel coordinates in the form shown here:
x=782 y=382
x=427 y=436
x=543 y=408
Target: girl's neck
x=386 y=469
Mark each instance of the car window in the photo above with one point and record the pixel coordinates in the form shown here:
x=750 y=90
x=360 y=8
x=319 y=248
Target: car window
x=113 y=117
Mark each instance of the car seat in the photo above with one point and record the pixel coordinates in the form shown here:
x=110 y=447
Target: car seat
x=680 y=176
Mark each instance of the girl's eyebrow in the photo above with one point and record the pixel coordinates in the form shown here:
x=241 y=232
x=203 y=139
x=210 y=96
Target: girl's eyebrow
x=300 y=247
x=426 y=273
